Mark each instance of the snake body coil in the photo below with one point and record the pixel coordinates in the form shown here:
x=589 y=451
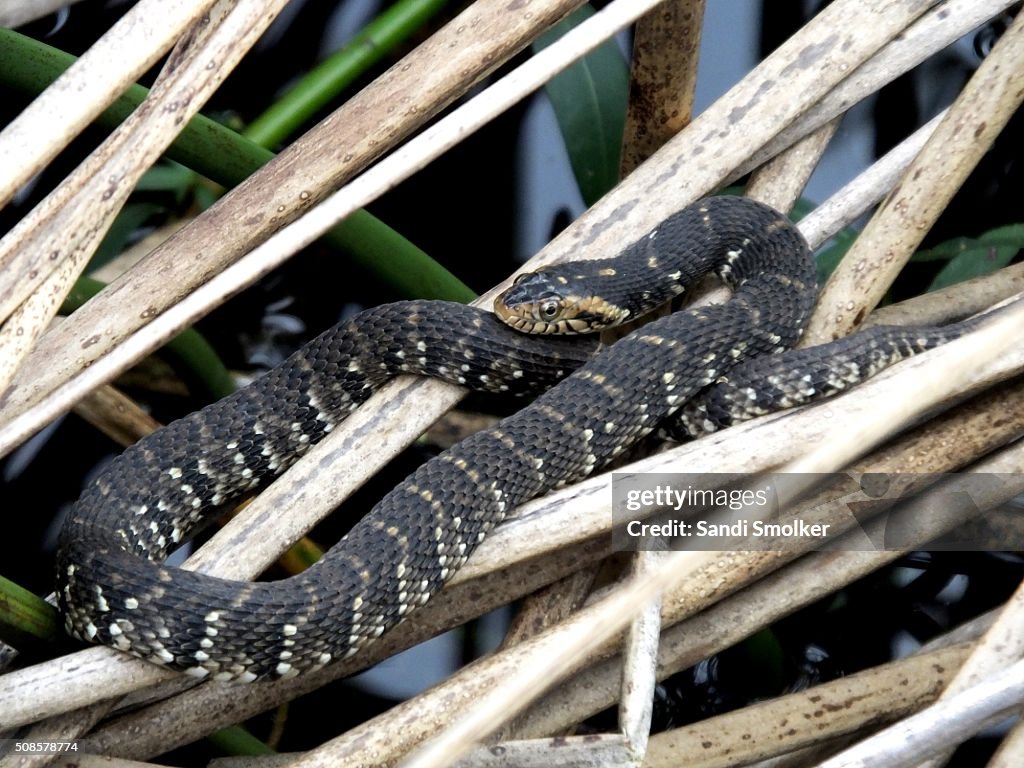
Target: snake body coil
x=112 y=590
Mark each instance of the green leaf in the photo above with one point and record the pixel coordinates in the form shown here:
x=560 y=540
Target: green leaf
x=972 y=257
x=589 y=99
x=25 y=617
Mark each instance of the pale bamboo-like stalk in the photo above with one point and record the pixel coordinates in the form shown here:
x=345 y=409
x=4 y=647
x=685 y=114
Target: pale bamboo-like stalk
x=539 y=670
x=548 y=606
x=591 y=751
x=953 y=302
x=117 y=416
x=846 y=205
x=715 y=452
x=779 y=182
x=260 y=537
x=977 y=116
x=935 y=30
x=715 y=616
x=52 y=244
x=473 y=44
x=570 y=516
x=1001 y=646
x=666 y=47
x=639 y=670
x=382 y=177
x=939 y=727
x=873 y=696
x=73 y=100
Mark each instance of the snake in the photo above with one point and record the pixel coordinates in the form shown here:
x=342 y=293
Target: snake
x=587 y=408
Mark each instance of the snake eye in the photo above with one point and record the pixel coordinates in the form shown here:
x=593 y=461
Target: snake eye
x=549 y=309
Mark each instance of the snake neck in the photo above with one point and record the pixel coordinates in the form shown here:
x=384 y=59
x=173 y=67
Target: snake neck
x=734 y=237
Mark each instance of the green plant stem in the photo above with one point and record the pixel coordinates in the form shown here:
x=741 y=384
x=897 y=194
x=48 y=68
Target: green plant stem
x=25 y=617
x=589 y=99
x=227 y=158
x=322 y=84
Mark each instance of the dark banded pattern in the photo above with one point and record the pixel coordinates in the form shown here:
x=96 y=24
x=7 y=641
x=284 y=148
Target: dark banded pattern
x=113 y=590
x=797 y=377
x=160 y=491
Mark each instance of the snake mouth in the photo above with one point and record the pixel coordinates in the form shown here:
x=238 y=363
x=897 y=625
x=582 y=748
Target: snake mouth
x=569 y=315
x=531 y=325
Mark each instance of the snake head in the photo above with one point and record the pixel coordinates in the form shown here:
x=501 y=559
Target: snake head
x=548 y=302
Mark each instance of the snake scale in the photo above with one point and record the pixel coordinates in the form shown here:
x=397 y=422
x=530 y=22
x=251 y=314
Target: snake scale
x=112 y=589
